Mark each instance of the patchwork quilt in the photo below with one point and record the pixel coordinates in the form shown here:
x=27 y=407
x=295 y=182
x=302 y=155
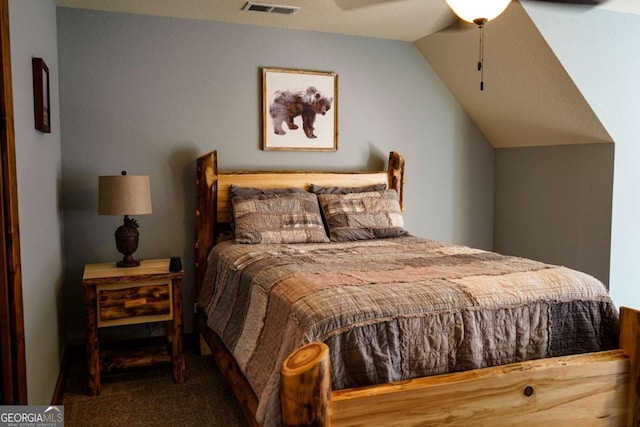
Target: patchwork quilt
x=395 y=309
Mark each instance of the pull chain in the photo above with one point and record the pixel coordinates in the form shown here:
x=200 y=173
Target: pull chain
x=481 y=58
x=480 y=22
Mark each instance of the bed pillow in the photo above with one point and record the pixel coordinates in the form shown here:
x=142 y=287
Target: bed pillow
x=278 y=218
x=362 y=216
x=236 y=190
x=346 y=190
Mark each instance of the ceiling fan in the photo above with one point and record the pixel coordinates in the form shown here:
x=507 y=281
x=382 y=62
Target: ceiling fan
x=583 y=2
x=480 y=12
x=356 y=4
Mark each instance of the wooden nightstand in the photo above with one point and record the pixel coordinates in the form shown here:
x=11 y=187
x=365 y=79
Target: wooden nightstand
x=126 y=296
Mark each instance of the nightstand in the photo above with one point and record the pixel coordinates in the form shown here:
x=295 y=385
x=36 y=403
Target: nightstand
x=126 y=296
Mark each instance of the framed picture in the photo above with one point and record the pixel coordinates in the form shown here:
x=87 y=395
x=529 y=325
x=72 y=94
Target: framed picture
x=299 y=110
x=41 y=106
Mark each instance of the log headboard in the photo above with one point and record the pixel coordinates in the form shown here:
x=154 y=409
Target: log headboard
x=213 y=204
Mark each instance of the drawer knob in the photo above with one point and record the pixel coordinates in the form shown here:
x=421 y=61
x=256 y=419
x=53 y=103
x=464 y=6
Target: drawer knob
x=139 y=302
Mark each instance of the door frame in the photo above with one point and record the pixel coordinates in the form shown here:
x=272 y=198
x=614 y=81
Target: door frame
x=12 y=357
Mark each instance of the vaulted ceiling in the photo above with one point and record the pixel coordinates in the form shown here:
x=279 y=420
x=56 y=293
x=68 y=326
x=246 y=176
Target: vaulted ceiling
x=528 y=97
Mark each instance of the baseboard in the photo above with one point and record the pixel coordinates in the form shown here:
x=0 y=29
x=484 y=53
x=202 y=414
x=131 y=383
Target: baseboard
x=58 y=391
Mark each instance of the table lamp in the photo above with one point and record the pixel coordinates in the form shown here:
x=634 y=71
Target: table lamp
x=125 y=195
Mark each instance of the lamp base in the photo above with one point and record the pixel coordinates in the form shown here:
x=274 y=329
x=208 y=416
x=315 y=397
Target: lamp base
x=127 y=262
x=127 y=242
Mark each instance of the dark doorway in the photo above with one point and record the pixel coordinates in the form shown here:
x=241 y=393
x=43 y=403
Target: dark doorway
x=13 y=381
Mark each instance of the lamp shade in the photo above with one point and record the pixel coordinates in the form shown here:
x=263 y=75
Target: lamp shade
x=472 y=10
x=124 y=195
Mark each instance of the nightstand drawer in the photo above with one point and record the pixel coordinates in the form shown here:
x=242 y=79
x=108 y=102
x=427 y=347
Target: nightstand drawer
x=129 y=303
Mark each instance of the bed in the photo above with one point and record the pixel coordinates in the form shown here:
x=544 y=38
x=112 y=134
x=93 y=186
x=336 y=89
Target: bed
x=316 y=332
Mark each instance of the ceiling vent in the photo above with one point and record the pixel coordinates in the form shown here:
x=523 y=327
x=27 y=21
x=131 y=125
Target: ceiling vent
x=271 y=8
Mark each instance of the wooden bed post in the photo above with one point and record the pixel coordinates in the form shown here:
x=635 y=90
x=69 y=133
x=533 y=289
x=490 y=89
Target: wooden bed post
x=206 y=212
x=396 y=175
x=630 y=345
x=305 y=389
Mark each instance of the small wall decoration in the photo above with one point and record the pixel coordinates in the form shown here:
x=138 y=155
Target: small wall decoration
x=41 y=106
x=299 y=110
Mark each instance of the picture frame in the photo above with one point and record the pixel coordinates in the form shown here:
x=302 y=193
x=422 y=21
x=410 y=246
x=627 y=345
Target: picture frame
x=41 y=96
x=299 y=110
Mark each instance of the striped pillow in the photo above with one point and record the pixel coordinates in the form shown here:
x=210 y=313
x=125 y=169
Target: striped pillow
x=362 y=216
x=344 y=190
x=278 y=218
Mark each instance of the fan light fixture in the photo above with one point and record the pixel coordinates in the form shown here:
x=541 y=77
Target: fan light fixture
x=478 y=12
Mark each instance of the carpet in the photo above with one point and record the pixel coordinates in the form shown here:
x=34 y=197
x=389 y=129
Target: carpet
x=149 y=397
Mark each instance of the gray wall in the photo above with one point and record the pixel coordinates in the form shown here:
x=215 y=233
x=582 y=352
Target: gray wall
x=150 y=95
x=33 y=33
x=553 y=204
x=600 y=52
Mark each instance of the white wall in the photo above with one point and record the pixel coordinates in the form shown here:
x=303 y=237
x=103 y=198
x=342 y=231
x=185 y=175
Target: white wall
x=150 y=94
x=33 y=34
x=600 y=49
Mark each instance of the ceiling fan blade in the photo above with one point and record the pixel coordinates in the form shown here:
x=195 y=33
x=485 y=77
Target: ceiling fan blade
x=579 y=2
x=357 y=4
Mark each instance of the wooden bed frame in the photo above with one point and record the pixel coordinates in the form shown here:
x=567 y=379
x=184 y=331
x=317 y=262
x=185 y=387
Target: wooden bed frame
x=588 y=389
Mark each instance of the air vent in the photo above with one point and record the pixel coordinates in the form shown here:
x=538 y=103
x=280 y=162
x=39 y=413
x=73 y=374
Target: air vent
x=271 y=8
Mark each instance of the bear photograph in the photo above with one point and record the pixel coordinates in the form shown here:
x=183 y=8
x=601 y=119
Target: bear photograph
x=299 y=110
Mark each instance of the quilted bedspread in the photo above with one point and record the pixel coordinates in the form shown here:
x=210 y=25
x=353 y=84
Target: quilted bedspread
x=395 y=309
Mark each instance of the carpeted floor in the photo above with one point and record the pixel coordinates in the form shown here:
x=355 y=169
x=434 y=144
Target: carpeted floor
x=149 y=397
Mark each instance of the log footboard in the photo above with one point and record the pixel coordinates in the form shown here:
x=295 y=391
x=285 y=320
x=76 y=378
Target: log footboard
x=305 y=390
x=630 y=345
x=588 y=389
